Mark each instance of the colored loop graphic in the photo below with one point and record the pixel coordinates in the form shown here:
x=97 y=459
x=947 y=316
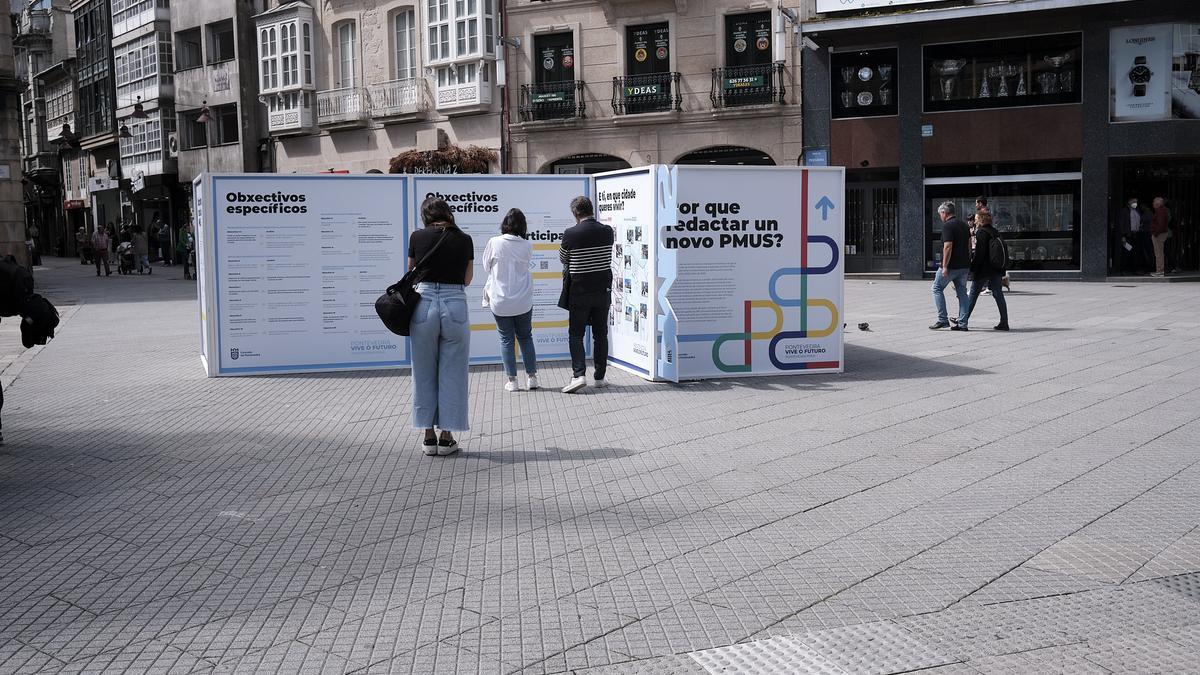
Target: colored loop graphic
x=716 y=353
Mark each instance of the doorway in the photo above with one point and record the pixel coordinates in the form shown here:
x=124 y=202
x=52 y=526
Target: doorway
x=872 y=216
x=1176 y=180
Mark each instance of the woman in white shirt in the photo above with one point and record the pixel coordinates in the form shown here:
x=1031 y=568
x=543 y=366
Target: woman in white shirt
x=509 y=294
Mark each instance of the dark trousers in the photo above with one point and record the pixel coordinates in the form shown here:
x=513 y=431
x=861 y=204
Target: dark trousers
x=583 y=315
x=187 y=268
x=102 y=258
x=996 y=284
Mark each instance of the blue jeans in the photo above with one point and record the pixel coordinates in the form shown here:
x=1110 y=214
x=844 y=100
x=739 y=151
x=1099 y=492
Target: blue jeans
x=514 y=329
x=441 y=339
x=996 y=283
x=940 y=282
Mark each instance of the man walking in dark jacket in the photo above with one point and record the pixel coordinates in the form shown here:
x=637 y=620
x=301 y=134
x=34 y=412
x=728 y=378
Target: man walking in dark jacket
x=586 y=256
x=984 y=272
x=956 y=259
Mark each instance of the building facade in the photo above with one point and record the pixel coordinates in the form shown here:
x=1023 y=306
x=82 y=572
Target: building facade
x=12 y=223
x=95 y=117
x=606 y=84
x=1038 y=105
x=42 y=42
x=143 y=63
x=348 y=86
x=220 y=125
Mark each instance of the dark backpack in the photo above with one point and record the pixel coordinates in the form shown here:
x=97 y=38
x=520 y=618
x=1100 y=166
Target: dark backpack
x=997 y=253
x=16 y=285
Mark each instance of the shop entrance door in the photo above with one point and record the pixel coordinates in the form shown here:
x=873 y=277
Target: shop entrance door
x=872 y=212
x=1175 y=179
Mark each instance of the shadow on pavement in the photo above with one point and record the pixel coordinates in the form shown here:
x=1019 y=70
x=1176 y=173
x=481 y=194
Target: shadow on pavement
x=551 y=454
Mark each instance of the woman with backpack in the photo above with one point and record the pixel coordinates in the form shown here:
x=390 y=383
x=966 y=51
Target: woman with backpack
x=988 y=267
x=440 y=330
x=509 y=294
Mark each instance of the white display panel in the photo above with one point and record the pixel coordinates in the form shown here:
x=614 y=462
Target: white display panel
x=758 y=274
x=297 y=262
x=479 y=204
x=625 y=202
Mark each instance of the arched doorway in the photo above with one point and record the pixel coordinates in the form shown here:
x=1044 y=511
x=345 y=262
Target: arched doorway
x=727 y=155
x=585 y=163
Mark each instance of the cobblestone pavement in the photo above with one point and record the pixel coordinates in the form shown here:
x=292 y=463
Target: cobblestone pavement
x=962 y=503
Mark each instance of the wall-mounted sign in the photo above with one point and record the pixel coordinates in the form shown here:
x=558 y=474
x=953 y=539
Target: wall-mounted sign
x=220 y=78
x=73 y=204
x=1154 y=72
x=745 y=82
x=816 y=157
x=550 y=97
x=926 y=131
x=853 y=5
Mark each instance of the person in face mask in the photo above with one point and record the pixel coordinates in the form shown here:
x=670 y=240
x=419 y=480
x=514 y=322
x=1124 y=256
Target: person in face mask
x=1134 y=225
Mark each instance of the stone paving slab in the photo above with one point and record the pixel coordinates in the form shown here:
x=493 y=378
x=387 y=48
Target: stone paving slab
x=953 y=503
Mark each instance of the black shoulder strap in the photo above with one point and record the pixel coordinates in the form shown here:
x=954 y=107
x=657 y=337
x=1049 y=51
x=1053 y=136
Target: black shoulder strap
x=425 y=258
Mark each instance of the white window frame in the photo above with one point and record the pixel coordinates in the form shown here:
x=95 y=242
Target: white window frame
x=346 y=53
x=404 y=44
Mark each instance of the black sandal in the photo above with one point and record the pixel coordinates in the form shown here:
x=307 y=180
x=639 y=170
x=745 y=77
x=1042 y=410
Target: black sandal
x=447 y=446
x=431 y=446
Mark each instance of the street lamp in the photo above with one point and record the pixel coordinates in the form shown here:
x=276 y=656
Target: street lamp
x=139 y=113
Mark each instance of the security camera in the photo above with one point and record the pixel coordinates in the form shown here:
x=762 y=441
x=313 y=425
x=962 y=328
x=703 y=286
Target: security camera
x=789 y=13
x=514 y=42
x=809 y=44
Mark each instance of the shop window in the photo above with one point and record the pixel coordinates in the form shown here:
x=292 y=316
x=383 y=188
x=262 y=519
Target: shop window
x=863 y=83
x=220 y=41
x=187 y=49
x=1040 y=70
x=1039 y=219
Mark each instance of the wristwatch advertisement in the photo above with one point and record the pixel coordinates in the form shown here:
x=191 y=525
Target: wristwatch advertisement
x=1140 y=75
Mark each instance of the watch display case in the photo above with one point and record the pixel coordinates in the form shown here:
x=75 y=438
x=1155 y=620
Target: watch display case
x=863 y=83
x=1039 y=220
x=1038 y=70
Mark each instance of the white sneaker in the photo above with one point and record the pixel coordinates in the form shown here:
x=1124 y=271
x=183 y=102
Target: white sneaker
x=600 y=384
x=511 y=385
x=531 y=383
x=575 y=385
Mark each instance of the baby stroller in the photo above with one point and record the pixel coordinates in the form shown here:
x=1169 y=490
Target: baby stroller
x=126 y=260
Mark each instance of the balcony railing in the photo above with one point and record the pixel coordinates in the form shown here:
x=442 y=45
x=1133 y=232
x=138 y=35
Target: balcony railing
x=747 y=85
x=42 y=162
x=33 y=24
x=552 y=100
x=468 y=96
x=399 y=98
x=345 y=106
x=290 y=113
x=656 y=92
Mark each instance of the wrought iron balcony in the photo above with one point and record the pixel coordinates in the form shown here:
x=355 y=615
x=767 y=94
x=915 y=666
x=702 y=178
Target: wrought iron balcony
x=399 y=98
x=656 y=92
x=42 y=163
x=747 y=85
x=342 y=107
x=552 y=101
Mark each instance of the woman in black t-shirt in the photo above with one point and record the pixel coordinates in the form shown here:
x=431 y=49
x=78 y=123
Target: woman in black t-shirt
x=440 y=332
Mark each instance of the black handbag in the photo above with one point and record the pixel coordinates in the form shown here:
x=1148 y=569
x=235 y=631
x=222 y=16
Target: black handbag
x=564 y=296
x=397 y=304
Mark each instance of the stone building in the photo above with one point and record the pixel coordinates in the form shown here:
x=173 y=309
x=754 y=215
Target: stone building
x=220 y=125
x=12 y=224
x=347 y=86
x=604 y=84
x=98 y=157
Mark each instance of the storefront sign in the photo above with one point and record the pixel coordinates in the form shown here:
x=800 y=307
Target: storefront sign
x=852 y=5
x=550 y=97
x=744 y=82
x=643 y=90
x=99 y=184
x=74 y=204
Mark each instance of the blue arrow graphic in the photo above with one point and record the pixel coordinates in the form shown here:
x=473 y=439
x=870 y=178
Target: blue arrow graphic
x=825 y=205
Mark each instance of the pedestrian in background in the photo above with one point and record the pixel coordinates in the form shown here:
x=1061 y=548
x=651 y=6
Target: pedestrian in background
x=509 y=294
x=141 y=249
x=164 y=243
x=987 y=268
x=183 y=246
x=981 y=205
x=1160 y=231
x=954 y=266
x=586 y=255
x=440 y=331
x=100 y=251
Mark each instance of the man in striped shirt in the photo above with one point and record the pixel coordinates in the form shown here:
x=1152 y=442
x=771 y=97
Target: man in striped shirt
x=586 y=255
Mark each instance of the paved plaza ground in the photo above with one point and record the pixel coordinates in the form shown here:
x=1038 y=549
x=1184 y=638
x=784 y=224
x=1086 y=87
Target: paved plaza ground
x=1025 y=502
